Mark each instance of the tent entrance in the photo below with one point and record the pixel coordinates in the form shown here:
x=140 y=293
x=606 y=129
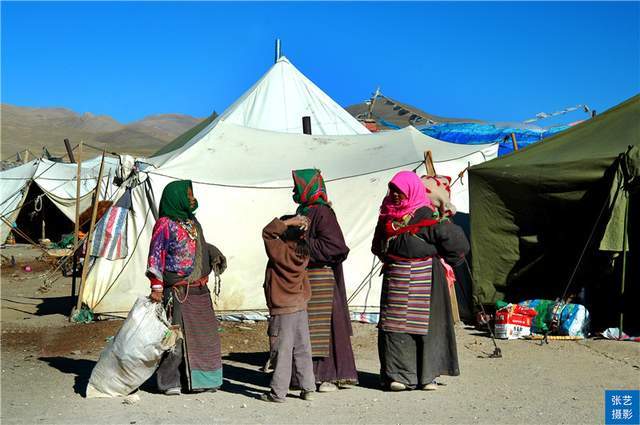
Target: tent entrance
x=38 y=209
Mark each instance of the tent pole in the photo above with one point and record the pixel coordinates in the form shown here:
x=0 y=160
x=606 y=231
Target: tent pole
x=431 y=171
x=428 y=163
x=624 y=262
x=514 y=141
x=67 y=146
x=76 y=234
x=94 y=213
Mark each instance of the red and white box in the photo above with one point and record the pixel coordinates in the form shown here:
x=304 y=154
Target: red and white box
x=513 y=322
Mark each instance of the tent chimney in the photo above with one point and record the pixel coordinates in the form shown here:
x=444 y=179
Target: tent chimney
x=278 y=53
x=306 y=125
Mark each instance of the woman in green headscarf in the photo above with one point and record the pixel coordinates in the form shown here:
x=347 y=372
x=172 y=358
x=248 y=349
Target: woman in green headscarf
x=334 y=365
x=179 y=265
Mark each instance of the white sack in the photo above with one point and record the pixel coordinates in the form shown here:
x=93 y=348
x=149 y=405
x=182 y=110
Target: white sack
x=133 y=355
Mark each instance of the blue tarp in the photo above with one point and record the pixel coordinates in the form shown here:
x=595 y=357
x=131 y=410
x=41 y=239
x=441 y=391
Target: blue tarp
x=477 y=133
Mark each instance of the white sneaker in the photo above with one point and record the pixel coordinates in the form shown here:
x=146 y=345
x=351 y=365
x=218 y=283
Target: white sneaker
x=397 y=386
x=173 y=391
x=431 y=386
x=327 y=387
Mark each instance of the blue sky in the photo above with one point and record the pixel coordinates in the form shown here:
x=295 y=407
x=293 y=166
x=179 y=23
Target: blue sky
x=495 y=61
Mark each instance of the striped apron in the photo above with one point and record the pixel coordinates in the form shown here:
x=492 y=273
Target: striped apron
x=405 y=304
x=320 y=308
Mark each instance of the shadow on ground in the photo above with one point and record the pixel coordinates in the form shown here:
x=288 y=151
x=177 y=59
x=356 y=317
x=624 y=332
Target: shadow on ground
x=81 y=368
x=45 y=306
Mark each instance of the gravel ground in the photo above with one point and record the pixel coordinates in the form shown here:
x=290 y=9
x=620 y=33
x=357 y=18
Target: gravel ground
x=46 y=362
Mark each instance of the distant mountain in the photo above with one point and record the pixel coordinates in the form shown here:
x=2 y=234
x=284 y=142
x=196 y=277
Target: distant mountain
x=32 y=128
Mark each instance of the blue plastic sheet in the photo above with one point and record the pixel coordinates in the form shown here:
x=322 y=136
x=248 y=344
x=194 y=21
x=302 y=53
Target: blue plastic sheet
x=479 y=133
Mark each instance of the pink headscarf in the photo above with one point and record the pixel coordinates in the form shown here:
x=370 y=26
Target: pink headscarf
x=416 y=196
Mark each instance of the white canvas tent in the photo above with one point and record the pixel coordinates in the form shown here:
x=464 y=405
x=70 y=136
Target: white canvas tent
x=242 y=179
x=277 y=102
x=57 y=180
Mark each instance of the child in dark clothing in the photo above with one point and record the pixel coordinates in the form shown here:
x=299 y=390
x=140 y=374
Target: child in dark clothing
x=287 y=291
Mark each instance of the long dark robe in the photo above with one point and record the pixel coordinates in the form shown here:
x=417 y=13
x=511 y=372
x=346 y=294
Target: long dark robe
x=328 y=248
x=196 y=362
x=418 y=359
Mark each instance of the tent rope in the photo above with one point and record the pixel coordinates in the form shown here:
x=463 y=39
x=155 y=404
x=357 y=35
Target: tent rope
x=377 y=265
x=286 y=187
x=587 y=244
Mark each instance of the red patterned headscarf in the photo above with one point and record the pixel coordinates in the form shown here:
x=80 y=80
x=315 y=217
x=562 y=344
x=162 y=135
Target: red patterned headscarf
x=309 y=189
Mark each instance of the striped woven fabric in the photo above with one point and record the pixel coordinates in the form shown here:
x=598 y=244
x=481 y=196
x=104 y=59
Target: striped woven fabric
x=320 y=308
x=202 y=342
x=406 y=297
x=110 y=238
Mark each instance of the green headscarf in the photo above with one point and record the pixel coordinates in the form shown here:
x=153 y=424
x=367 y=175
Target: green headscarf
x=308 y=189
x=175 y=202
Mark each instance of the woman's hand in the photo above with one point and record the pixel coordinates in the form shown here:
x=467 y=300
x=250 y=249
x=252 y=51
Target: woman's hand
x=156 y=296
x=298 y=221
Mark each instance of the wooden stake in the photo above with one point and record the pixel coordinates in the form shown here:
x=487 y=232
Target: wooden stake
x=67 y=146
x=514 y=141
x=76 y=234
x=94 y=213
x=455 y=312
x=428 y=163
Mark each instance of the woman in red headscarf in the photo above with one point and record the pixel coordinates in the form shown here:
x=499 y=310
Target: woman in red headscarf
x=416 y=339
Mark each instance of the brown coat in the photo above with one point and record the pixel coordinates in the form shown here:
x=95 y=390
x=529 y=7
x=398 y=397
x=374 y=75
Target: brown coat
x=286 y=285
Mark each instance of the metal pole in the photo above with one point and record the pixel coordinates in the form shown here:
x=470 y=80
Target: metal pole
x=624 y=262
x=76 y=234
x=373 y=102
x=277 y=50
x=89 y=242
x=306 y=125
x=67 y=145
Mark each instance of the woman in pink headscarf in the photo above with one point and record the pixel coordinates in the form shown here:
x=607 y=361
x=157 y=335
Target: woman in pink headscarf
x=416 y=340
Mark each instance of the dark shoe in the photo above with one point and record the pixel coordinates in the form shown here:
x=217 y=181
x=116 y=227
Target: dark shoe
x=271 y=397
x=307 y=395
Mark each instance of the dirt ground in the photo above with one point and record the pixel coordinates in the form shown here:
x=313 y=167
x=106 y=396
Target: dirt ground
x=46 y=363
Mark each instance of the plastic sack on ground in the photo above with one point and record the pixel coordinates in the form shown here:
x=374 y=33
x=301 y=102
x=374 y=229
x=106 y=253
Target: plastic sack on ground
x=544 y=309
x=133 y=355
x=574 y=320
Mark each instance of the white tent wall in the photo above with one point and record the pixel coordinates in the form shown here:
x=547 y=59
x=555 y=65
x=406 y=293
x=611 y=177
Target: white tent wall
x=112 y=286
x=277 y=102
x=255 y=166
x=280 y=99
x=13 y=191
x=58 y=182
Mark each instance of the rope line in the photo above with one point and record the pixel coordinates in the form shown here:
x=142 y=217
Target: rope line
x=285 y=187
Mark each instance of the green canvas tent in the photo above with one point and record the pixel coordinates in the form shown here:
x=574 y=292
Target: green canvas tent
x=553 y=213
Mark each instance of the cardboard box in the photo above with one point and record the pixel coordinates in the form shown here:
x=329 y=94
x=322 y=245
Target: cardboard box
x=513 y=322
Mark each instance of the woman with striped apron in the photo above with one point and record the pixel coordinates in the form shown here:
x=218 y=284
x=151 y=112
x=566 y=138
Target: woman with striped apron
x=334 y=365
x=416 y=339
x=179 y=265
